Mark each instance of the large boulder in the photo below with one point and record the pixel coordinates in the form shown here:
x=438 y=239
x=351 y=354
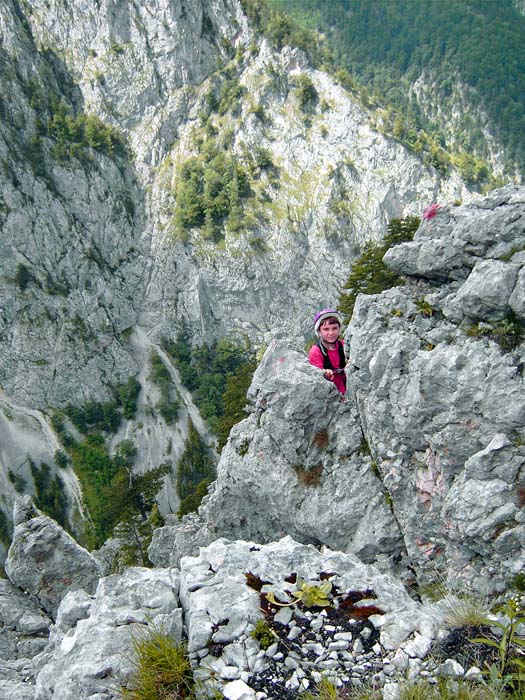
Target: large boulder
x=45 y=561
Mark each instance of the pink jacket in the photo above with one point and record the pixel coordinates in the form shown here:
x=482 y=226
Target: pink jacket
x=315 y=356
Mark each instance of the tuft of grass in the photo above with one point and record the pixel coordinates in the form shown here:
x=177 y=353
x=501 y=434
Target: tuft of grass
x=464 y=611
x=162 y=669
x=446 y=689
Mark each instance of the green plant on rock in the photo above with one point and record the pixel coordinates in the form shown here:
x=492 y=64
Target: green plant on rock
x=308 y=594
x=306 y=92
x=425 y=308
x=264 y=634
x=324 y=690
x=508 y=333
x=462 y=610
x=209 y=190
x=167 y=406
x=509 y=671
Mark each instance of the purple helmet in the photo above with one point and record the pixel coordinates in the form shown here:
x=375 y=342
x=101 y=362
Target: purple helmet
x=320 y=316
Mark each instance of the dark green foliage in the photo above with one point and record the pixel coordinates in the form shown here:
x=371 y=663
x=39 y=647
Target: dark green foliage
x=264 y=634
x=127 y=395
x=132 y=497
x=234 y=400
x=113 y=492
x=58 y=423
x=262 y=158
x=96 y=471
x=61 y=459
x=306 y=92
x=209 y=191
x=17 y=480
x=191 y=503
x=74 y=133
x=230 y=93
x=369 y=274
x=167 y=406
x=196 y=464
x=50 y=496
x=388 y=45
x=5 y=529
x=71 y=132
x=211 y=371
x=281 y=30
x=94 y=416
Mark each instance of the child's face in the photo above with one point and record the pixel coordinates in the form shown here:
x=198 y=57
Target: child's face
x=329 y=330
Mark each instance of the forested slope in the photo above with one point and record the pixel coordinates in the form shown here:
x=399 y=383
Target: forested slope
x=476 y=44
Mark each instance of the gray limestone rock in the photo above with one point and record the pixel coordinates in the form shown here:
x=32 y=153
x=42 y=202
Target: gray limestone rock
x=92 y=657
x=485 y=295
x=24 y=626
x=46 y=562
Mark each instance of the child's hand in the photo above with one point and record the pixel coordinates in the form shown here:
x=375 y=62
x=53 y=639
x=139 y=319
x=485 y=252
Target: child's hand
x=328 y=373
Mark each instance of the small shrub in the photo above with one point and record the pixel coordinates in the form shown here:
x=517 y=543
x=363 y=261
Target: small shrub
x=517 y=582
x=17 y=480
x=50 y=495
x=191 y=503
x=369 y=275
x=195 y=471
x=94 y=416
x=425 y=309
x=127 y=396
x=61 y=459
x=244 y=447
x=162 y=669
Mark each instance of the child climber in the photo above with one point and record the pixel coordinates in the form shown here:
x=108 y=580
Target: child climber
x=329 y=354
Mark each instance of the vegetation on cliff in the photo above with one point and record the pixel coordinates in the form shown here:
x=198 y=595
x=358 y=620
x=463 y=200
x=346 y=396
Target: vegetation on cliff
x=387 y=46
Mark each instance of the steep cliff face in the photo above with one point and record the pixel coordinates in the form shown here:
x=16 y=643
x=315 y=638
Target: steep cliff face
x=108 y=108
x=89 y=249
x=423 y=465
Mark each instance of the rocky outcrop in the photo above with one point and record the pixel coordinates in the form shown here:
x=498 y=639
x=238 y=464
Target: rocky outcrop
x=438 y=378
x=45 y=561
x=312 y=485
x=371 y=628
x=422 y=466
